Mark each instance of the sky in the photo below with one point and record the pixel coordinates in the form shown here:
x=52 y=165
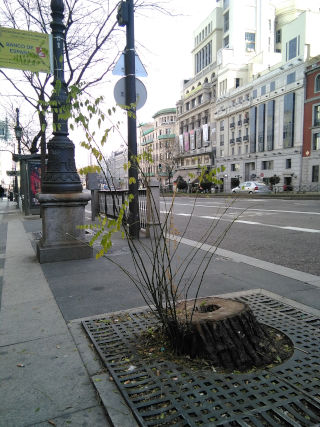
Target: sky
x=164 y=44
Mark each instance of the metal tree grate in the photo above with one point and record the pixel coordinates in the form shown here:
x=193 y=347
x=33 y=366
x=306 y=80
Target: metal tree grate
x=164 y=393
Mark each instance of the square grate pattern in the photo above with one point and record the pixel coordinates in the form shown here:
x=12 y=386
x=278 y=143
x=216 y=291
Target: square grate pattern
x=163 y=393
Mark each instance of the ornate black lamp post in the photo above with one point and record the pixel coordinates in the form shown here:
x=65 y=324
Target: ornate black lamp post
x=61 y=175
x=61 y=198
x=18 y=134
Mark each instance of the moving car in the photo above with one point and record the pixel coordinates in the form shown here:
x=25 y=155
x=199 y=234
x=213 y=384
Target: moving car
x=251 y=187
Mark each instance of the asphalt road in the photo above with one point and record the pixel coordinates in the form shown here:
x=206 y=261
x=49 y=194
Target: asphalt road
x=284 y=232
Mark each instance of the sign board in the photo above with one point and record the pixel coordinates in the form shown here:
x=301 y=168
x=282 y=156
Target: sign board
x=25 y=50
x=119 y=93
x=34 y=176
x=119 y=68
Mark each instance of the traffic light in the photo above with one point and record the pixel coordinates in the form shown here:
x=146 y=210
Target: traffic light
x=123 y=14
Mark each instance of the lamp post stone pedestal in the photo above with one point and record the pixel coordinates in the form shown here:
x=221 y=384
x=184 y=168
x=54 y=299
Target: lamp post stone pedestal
x=61 y=240
x=62 y=200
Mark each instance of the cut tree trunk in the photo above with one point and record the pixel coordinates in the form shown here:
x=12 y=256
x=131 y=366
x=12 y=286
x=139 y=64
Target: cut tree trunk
x=224 y=331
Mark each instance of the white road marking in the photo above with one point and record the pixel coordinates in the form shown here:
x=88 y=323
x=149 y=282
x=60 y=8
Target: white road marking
x=246 y=210
x=222 y=218
x=269 y=266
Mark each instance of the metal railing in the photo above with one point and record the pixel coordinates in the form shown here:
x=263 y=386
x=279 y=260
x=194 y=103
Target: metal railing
x=109 y=203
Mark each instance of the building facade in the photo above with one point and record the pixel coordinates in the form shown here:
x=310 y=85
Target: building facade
x=244 y=106
x=158 y=138
x=311 y=135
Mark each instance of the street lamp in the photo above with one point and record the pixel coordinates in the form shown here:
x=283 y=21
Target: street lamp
x=18 y=134
x=18 y=131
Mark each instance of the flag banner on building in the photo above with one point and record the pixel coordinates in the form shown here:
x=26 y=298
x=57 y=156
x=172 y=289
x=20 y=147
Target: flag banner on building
x=198 y=138
x=181 y=143
x=25 y=50
x=186 y=141
x=213 y=133
x=192 y=143
x=205 y=132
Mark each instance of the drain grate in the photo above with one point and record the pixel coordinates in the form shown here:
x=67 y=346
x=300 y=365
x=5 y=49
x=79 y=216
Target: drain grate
x=164 y=393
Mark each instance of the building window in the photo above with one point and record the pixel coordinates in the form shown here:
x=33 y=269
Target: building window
x=253 y=128
x=316 y=115
x=288 y=163
x=316 y=141
x=270 y=125
x=222 y=125
x=254 y=93
x=317 y=83
x=278 y=36
x=315 y=173
x=222 y=140
x=263 y=90
x=261 y=126
x=272 y=86
x=225 y=4
x=223 y=87
x=226 y=41
x=239 y=150
x=288 y=120
x=204 y=57
x=250 y=39
x=221 y=153
x=232 y=151
x=234 y=167
x=226 y=22
x=291 y=78
x=292 y=48
x=267 y=164
x=237 y=82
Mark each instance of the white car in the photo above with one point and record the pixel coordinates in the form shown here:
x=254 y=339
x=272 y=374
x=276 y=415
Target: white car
x=251 y=187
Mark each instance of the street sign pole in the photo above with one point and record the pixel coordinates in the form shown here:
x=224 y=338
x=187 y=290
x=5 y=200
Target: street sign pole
x=128 y=20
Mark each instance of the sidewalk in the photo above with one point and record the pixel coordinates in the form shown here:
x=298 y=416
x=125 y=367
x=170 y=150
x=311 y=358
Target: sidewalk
x=49 y=373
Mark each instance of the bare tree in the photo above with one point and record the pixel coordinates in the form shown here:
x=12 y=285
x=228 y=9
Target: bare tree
x=91 y=47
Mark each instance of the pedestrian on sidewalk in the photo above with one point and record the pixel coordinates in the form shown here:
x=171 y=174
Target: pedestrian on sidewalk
x=1 y=192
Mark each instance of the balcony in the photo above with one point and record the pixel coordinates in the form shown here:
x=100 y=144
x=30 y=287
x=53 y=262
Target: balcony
x=246 y=138
x=232 y=141
x=246 y=121
x=232 y=125
x=221 y=128
x=239 y=122
x=239 y=139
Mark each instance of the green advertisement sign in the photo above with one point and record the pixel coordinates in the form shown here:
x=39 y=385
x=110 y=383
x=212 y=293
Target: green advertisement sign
x=25 y=50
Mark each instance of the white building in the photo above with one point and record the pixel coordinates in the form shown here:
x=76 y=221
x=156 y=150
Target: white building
x=248 y=88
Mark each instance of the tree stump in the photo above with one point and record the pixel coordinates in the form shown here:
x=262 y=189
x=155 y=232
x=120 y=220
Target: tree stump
x=224 y=331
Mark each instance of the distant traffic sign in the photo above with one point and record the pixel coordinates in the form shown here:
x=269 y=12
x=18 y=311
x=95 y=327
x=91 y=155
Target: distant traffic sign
x=120 y=93
x=119 y=68
x=25 y=50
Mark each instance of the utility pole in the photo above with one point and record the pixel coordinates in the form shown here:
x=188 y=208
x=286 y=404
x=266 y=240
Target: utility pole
x=126 y=18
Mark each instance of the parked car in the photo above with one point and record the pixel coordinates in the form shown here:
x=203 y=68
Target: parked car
x=251 y=187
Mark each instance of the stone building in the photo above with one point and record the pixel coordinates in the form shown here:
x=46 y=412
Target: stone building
x=159 y=139
x=311 y=135
x=243 y=109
